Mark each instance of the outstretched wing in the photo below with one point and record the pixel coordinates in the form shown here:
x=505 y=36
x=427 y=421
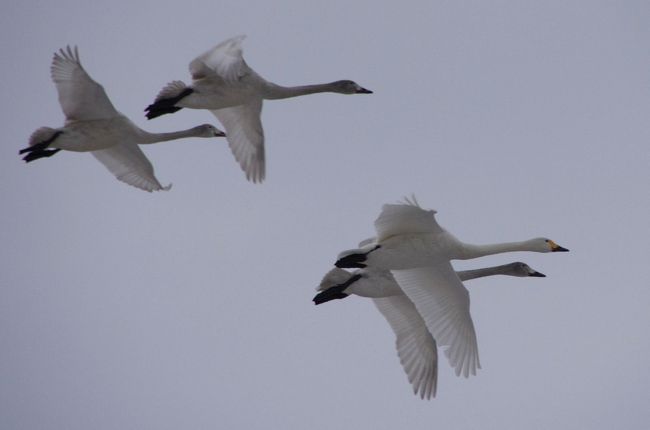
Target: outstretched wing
x=81 y=98
x=415 y=346
x=129 y=164
x=224 y=61
x=443 y=302
x=406 y=218
x=245 y=137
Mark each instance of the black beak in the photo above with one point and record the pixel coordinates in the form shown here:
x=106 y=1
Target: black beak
x=537 y=275
x=363 y=91
x=220 y=134
x=560 y=249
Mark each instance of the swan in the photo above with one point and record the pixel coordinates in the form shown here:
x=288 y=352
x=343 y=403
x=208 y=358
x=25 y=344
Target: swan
x=223 y=83
x=379 y=283
x=93 y=125
x=417 y=251
x=415 y=346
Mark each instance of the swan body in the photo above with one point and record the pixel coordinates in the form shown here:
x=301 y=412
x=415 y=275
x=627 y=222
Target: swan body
x=417 y=251
x=415 y=346
x=224 y=84
x=94 y=125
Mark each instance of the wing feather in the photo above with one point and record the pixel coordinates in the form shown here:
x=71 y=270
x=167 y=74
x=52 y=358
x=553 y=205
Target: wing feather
x=129 y=164
x=81 y=98
x=245 y=137
x=443 y=302
x=225 y=61
x=406 y=218
x=415 y=346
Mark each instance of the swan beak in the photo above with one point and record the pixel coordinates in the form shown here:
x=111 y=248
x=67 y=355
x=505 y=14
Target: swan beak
x=537 y=274
x=219 y=133
x=362 y=90
x=556 y=248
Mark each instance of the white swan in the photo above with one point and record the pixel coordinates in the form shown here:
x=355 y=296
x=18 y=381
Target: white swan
x=417 y=251
x=223 y=83
x=92 y=124
x=415 y=346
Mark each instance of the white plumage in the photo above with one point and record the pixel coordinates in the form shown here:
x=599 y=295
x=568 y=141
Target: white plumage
x=224 y=84
x=415 y=346
x=417 y=251
x=93 y=124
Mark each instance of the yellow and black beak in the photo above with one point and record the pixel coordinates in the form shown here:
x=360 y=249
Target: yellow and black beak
x=556 y=248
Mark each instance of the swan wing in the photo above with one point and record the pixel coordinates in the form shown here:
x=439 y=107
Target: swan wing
x=406 y=218
x=245 y=137
x=415 y=346
x=129 y=164
x=443 y=302
x=224 y=61
x=81 y=98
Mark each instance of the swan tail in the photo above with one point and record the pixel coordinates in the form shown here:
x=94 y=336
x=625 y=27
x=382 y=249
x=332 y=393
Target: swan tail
x=167 y=98
x=334 y=284
x=39 y=141
x=352 y=261
x=336 y=291
x=334 y=277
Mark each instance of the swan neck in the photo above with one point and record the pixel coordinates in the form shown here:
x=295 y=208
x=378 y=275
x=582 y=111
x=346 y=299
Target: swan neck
x=466 y=275
x=164 y=137
x=274 y=91
x=475 y=251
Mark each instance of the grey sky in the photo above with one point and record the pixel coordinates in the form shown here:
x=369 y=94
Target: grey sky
x=192 y=309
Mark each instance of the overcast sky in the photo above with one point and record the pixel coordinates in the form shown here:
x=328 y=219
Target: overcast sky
x=191 y=309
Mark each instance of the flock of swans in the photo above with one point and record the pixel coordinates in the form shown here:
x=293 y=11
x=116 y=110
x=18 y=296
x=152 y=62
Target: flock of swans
x=222 y=82
x=405 y=269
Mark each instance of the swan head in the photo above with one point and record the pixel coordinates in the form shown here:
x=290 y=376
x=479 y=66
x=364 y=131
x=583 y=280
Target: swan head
x=542 y=244
x=348 y=87
x=209 y=130
x=522 y=270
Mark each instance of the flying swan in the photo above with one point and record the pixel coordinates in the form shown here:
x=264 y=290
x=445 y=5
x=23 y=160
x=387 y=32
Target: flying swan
x=224 y=84
x=417 y=251
x=415 y=346
x=93 y=125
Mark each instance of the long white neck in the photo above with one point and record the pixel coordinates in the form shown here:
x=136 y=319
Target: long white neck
x=146 y=137
x=466 y=275
x=468 y=251
x=274 y=91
